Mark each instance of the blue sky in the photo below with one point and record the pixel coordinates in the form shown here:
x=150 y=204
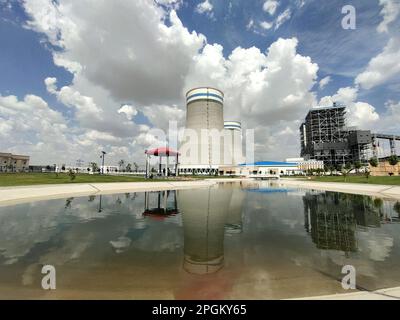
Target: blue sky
x=27 y=52
x=341 y=54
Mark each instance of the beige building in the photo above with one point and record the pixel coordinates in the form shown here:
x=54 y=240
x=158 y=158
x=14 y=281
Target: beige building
x=13 y=163
x=310 y=165
x=385 y=169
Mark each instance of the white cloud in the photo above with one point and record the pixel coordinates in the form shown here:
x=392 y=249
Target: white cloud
x=390 y=11
x=323 y=82
x=157 y=60
x=250 y=25
x=270 y=6
x=282 y=18
x=383 y=67
x=390 y=118
x=31 y=126
x=146 y=73
x=266 y=25
x=87 y=109
x=205 y=7
x=267 y=92
x=128 y=110
x=170 y=4
x=360 y=114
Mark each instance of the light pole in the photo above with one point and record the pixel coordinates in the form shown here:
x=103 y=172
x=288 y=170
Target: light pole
x=103 y=153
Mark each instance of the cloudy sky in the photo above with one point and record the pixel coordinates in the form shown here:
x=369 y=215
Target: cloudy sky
x=81 y=76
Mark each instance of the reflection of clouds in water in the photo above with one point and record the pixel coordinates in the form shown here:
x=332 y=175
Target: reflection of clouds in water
x=22 y=226
x=26 y=225
x=375 y=244
x=74 y=245
x=121 y=244
x=159 y=240
x=274 y=209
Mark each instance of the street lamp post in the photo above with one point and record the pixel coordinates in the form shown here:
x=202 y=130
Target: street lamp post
x=103 y=153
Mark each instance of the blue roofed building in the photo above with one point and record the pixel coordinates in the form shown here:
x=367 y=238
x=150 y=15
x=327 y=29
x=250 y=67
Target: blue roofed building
x=267 y=169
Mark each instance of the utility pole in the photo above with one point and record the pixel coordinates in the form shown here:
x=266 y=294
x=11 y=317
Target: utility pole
x=103 y=153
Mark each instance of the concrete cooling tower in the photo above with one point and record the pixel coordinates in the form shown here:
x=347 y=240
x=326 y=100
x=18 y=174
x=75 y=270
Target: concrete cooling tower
x=233 y=143
x=205 y=119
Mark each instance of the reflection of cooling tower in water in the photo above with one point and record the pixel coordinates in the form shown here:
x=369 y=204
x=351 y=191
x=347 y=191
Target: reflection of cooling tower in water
x=234 y=219
x=204 y=213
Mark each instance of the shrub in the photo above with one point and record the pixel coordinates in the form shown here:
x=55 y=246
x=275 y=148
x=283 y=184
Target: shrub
x=373 y=162
x=393 y=160
x=71 y=174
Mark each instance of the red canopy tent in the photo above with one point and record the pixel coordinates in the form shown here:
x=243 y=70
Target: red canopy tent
x=161 y=152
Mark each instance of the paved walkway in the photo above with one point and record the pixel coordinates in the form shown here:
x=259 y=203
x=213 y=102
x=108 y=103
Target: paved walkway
x=385 y=191
x=14 y=195
x=383 y=294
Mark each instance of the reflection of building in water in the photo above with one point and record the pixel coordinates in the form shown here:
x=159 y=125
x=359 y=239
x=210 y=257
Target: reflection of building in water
x=330 y=220
x=365 y=212
x=160 y=204
x=234 y=219
x=204 y=214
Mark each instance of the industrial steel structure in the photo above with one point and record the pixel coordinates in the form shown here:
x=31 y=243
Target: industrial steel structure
x=325 y=137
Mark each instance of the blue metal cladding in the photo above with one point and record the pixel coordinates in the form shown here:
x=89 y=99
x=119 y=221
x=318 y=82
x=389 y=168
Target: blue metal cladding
x=269 y=164
x=229 y=126
x=205 y=95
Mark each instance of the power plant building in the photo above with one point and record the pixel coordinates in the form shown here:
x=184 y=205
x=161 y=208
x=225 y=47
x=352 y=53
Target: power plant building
x=325 y=137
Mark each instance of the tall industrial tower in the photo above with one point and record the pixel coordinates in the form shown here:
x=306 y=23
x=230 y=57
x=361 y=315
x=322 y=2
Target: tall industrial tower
x=233 y=143
x=205 y=119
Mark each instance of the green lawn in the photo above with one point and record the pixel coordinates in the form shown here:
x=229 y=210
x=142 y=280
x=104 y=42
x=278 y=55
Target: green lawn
x=22 y=179
x=19 y=179
x=360 y=179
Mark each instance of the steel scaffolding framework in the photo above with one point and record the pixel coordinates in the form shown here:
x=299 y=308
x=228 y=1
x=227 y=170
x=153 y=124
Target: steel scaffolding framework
x=325 y=137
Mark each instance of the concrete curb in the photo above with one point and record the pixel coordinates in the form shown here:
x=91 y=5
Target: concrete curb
x=385 y=191
x=21 y=194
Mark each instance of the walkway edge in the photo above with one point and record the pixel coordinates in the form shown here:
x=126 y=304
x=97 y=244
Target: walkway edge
x=382 y=294
x=385 y=191
x=21 y=194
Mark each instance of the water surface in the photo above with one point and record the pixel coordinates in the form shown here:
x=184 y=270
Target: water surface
x=232 y=241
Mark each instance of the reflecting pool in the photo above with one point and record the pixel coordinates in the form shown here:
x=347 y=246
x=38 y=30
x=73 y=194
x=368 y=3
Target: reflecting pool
x=246 y=240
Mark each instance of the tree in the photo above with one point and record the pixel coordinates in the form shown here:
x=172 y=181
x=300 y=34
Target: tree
x=71 y=174
x=94 y=167
x=393 y=160
x=329 y=168
x=367 y=174
x=121 y=164
x=129 y=167
x=373 y=162
x=136 y=166
x=357 y=166
x=346 y=170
